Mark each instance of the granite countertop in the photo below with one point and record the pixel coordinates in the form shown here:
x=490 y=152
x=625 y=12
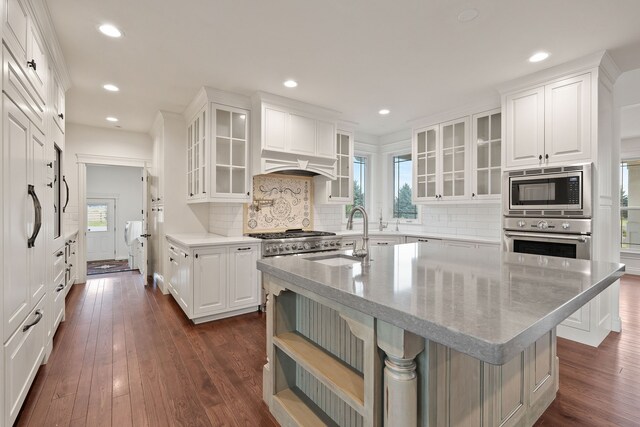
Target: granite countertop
x=193 y=240
x=376 y=232
x=483 y=302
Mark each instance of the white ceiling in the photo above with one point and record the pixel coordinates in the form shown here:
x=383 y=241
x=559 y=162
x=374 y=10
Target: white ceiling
x=355 y=56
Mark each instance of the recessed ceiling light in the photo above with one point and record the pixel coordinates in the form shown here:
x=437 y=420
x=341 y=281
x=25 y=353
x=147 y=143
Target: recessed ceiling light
x=110 y=30
x=468 y=15
x=111 y=88
x=290 y=83
x=384 y=112
x=538 y=56
x=112 y=119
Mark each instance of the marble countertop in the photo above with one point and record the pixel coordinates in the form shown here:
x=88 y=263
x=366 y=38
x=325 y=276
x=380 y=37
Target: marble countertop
x=192 y=240
x=391 y=233
x=483 y=302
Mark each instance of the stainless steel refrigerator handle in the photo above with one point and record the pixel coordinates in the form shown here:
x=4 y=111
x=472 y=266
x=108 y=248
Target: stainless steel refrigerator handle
x=38 y=216
x=579 y=238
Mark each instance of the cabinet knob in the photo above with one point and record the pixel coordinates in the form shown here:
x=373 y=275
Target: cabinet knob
x=32 y=64
x=170 y=259
x=61 y=116
x=546 y=156
x=50 y=185
x=473 y=194
x=50 y=165
x=247 y=193
x=540 y=157
x=190 y=194
x=196 y=255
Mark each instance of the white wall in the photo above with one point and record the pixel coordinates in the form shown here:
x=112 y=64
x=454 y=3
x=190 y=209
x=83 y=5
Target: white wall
x=89 y=140
x=125 y=185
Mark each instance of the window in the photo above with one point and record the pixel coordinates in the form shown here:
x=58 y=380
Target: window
x=97 y=217
x=359 y=185
x=630 y=204
x=403 y=207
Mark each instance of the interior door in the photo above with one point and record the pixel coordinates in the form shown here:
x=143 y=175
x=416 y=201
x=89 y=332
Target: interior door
x=142 y=264
x=101 y=229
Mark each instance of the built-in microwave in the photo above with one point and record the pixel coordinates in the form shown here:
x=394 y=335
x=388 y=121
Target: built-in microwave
x=563 y=191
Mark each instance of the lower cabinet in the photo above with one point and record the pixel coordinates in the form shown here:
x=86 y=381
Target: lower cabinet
x=23 y=354
x=71 y=249
x=214 y=282
x=425 y=240
x=385 y=240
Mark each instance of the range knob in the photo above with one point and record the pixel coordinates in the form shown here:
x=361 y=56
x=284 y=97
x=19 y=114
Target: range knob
x=307 y=246
x=332 y=243
x=325 y=244
x=543 y=225
x=565 y=225
x=522 y=223
x=268 y=249
x=287 y=247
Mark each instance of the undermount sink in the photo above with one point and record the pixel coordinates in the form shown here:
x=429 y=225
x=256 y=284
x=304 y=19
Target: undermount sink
x=336 y=260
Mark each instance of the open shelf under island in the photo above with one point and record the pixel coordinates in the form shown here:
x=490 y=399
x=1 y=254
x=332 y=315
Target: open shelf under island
x=423 y=336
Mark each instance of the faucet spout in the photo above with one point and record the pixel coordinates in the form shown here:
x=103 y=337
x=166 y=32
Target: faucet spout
x=364 y=251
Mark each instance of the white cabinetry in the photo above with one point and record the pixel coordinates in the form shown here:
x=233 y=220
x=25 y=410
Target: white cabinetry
x=339 y=190
x=426 y=240
x=213 y=282
x=24 y=175
x=71 y=249
x=440 y=171
x=293 y=135
x=550 y=124
x=385 y=240
x=218 y=138
x=486 y=144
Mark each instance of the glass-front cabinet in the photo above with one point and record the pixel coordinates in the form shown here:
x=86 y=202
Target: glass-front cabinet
x=218 y=155
x=196 y=156
x=487 y=154
x=440 y=172
x=231 y=131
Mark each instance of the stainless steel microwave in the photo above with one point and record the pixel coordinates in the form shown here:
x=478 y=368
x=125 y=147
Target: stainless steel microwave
x=563 y=191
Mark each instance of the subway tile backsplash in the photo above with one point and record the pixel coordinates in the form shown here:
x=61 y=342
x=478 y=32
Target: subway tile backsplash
x=460 y=220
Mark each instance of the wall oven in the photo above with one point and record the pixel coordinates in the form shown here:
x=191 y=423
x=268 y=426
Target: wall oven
x=555 y=192
x=561 y=237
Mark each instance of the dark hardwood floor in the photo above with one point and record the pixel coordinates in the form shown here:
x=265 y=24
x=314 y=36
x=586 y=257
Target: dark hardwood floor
x=127 y=356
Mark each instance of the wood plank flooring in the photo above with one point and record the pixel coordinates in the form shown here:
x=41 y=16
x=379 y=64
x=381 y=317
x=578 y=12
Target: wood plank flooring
x=127 y=356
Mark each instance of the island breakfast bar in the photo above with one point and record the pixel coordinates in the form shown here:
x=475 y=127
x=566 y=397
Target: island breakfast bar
x=422 y=336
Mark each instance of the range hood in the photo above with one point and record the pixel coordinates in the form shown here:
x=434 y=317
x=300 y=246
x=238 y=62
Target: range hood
x=294 y=137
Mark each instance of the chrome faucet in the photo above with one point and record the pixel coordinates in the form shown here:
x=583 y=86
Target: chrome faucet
x=364 y=251
x=382 y=225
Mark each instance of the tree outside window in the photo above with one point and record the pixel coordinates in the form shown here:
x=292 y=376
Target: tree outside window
x=403 y=206
x=359 y=184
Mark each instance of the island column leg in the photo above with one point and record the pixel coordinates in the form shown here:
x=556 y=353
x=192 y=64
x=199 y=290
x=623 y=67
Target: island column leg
x=400 y=378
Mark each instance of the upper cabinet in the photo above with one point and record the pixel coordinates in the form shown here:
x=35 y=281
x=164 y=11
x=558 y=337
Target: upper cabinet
x=441 y=169
x=339 y=190
x=549 y=124
x=58 y=102
x=293 y=135
x=218 y=138
x=486 y=148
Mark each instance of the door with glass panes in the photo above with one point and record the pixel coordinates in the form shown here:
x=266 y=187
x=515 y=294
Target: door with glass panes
x=487 y=154
x=231 y=155
x=197 y=156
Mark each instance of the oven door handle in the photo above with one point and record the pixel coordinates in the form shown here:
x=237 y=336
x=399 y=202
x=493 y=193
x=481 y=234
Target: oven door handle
x=578 y=237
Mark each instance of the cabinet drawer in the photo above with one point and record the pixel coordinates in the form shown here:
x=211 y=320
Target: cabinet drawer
x=23 y=354
x=20 y=90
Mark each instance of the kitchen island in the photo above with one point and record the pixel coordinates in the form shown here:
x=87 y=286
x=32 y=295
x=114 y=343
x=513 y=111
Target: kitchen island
x=465 y=336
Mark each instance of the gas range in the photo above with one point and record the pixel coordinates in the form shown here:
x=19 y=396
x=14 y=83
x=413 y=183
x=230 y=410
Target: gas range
x=297 y=241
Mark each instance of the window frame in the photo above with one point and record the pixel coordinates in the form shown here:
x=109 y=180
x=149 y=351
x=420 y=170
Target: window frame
x=634 y=248
x=367 y=180
x=391 y=200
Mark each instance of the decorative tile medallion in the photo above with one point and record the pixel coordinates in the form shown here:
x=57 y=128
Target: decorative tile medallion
x=280 y=202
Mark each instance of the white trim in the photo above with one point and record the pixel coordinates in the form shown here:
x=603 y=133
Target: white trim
x=367 y=181
x=390 y=194
x=93 y=159
x=457 y=113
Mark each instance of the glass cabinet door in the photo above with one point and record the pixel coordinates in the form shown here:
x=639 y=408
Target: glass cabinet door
x=341 y=187
x=487 y=142
x=231 y=131
x=426 y=154
x=196 y=156
x=454 y=158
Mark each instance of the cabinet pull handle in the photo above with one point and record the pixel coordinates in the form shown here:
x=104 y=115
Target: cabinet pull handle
x=50 y=165
x=171 y=247
x=190 y=194
x=247 y=193
x=61 y=116
x=196 y=255
x=60 y=287
x=38 y=216
x=244 y=249
x=382 y=243
x=170 y=259
x=473 y=194
x=185 y=255
x=50 y=185
x=59 y=254
x=64 y=208
x=35 y=322
x=423 y=240
x=32 y=64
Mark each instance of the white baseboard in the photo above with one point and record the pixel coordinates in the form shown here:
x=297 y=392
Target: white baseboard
x=632 y=270
x=616 y=324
